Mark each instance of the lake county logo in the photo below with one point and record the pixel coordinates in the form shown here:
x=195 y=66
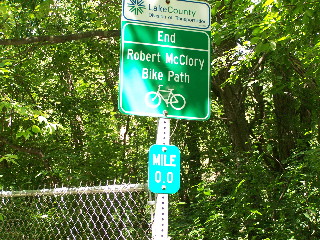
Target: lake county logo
x=136 y=6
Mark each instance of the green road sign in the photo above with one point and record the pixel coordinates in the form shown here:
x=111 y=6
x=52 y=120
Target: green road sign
x=164 y=69
x=164 y=169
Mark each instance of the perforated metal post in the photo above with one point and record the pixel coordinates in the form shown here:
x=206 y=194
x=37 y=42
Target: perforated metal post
x=160 y=221
x=163 y=134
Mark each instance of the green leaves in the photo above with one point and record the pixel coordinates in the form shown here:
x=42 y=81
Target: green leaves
x=268 y=2
x=30 y=122
x=35 y=129
x=10 y=158
x=44 y=8
x=266 y=31
x=266 y=47
x=59 y=103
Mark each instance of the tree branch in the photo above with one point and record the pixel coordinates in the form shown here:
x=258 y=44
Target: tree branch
x=32 y=151
x=60 y=38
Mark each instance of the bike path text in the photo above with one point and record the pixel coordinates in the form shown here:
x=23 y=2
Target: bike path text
x=158 y=53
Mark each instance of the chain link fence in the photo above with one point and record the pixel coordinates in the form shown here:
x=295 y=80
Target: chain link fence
x=104 y=212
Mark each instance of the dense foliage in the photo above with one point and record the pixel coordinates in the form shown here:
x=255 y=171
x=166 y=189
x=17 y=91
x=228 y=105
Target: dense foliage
x=250 y=172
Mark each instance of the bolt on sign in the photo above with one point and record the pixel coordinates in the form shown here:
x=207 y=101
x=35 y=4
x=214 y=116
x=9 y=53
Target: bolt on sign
x=165 y=59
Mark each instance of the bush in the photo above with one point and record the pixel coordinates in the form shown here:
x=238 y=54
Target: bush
x=249 y=201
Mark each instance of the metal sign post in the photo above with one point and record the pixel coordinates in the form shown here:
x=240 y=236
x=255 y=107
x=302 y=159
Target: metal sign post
x=165 y=73
x=160 y=220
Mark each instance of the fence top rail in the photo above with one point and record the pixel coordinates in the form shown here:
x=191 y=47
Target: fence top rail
x=76 y=190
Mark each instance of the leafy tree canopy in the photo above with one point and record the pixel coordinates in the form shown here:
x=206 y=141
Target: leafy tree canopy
x=250 y=172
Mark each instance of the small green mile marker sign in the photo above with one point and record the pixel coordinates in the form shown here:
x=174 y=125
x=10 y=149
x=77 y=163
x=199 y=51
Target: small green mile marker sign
x=165 y=59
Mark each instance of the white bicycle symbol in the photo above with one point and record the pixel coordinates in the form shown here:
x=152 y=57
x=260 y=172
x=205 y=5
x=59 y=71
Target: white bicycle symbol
x=153 y=99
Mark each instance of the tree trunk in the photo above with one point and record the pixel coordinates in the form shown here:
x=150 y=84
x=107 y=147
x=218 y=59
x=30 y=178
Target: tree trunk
x=60 y=38
x=286 y=116
x=233 y=103
x=75 y=118
x=194 y=159
x=232 y=97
